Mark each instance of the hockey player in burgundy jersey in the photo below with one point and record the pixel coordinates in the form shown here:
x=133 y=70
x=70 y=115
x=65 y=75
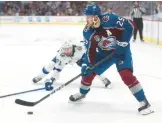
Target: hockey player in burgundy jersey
x=109 y=33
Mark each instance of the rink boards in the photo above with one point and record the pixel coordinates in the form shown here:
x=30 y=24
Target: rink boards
x=151 y=29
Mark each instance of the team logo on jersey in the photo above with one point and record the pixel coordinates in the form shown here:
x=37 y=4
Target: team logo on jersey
x=97 y=38
x=105 y=18
x=107 y=43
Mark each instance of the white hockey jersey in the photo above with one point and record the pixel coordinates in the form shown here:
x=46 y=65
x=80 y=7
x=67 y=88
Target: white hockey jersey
x=62 y=59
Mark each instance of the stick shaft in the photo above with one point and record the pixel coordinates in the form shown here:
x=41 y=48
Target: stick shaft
x=22 y=92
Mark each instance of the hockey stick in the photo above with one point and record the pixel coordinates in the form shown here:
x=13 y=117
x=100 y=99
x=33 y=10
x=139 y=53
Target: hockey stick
x=21 y=92
x=26 y=103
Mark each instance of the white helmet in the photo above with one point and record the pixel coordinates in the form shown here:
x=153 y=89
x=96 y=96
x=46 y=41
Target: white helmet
x=67 y=48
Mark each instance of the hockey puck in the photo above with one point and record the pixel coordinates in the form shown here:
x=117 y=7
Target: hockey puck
x=30 y=112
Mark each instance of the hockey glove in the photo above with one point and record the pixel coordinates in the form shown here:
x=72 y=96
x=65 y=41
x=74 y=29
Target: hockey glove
x=85 y=70
x=79 y=62
x=48 y=84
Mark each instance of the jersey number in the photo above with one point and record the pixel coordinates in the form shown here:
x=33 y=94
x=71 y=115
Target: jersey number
x=120 y=21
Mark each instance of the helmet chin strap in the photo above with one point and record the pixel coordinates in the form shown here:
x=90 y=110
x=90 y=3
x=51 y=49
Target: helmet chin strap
x=96 y=23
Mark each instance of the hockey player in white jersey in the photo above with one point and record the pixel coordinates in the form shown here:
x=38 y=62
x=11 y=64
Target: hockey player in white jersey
x=69 y=53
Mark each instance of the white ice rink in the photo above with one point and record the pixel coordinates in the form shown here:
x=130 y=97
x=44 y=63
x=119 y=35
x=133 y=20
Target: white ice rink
x=25 y=49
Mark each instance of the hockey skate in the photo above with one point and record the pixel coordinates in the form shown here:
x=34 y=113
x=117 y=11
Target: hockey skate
x=145 y=108
x=77 y=97
x=107 y=83
x=37 y=79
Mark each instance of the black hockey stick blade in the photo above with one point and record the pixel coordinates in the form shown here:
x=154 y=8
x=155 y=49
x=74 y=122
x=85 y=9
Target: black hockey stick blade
x=24 y=103
x=27 y=103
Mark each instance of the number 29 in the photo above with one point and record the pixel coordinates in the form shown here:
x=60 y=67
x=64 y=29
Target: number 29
x=120 y=21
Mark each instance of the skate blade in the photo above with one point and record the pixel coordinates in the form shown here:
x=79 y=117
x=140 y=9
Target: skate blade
x=147 y=111
x=109 y=86
x=76 y=102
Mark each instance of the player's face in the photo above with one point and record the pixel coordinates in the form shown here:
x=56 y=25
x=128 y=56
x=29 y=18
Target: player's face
x=68 y=51
x=89 y=20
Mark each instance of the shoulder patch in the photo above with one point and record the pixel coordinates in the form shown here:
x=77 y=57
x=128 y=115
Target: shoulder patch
x=105 y=18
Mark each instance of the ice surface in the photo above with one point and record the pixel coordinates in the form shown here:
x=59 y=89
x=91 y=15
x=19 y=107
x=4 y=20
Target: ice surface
x=25 y=49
